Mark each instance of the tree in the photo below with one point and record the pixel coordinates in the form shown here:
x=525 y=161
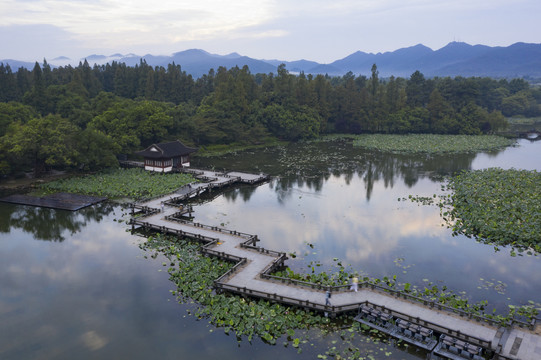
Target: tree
x=346 y=111
x=520 y=103
x=95 y=150
x=284 y=93
x=374 y=80
x=43 y=142
x=132 y=123
x=89 y=80
x=8 y=84
x=36 y=96
x=14 y=112
x=418 y=119
x=322 y=89
x=392 y=95
x=376 y=111
x=417 y=90
x=470 y=118
x=62 y=101
x=441 y=114
x=152 y=121
x=495 y=121
x=291 y=123
x=214 y=125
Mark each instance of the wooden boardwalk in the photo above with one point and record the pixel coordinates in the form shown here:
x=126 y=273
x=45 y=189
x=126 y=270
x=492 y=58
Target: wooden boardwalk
x=251 y=277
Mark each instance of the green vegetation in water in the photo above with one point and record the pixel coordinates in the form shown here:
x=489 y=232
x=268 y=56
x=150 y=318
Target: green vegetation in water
x=496 y=206
x=223 y=149
x=522 y=120
x=428 y=292
x=332 y=137
x=344 y=338
x=194 y=275
x=132 y=183
x=431 y=144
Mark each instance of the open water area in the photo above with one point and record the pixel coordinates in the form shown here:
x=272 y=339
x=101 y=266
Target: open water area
x=77 y=285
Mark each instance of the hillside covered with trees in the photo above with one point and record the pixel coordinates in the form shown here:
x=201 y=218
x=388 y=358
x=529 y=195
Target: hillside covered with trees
x=83 y=117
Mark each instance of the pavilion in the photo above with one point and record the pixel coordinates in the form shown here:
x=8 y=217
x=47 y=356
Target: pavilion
x=164 y=157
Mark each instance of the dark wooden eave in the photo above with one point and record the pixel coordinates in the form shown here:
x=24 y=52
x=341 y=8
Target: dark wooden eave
x=166 y=150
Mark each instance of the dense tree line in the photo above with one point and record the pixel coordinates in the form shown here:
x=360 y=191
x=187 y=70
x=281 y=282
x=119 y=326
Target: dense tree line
x=83 y=116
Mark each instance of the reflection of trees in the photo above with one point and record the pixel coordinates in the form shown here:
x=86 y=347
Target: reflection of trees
x=245 y=193
x=312 y=169
x=49 y=224
x=230 y=193
x=312 y=164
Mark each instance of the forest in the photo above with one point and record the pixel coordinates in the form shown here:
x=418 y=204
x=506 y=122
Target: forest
x=85 y=117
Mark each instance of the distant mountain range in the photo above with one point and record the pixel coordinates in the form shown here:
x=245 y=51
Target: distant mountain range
x=455 y=59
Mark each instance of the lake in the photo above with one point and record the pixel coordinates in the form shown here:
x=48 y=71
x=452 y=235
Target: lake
x=76 y=284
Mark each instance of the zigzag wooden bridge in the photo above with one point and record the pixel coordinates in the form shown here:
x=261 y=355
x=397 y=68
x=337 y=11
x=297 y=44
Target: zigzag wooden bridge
x=441 y=330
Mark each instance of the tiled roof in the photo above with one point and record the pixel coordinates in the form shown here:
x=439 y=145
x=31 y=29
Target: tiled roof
x=166 y=150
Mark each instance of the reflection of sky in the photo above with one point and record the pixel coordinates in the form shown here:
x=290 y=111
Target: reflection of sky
x=95 y=296
x=526 y=156
x=371 y=234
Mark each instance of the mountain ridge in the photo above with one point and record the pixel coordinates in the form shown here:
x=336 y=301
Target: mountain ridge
x=455 y=59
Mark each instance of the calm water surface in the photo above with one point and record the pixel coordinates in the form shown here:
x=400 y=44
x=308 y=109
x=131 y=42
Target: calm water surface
x=76 y=284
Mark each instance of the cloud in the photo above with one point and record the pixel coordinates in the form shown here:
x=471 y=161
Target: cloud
x=34 y=42
x=312 y=29
x=99 y=23
x=348 y=228
x=92 y=340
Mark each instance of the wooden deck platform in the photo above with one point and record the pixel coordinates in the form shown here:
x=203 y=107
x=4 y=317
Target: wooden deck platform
x=61 y=201
x=220 y=179
x=251 y=277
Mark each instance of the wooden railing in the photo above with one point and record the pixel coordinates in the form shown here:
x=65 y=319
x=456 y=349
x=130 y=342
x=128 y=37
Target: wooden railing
x=230 y=272
x=281 y=257
x=177 y=232
x=146 y=210
x=261 y=249
x=250 y=238
x=434 y=326
x=278 y=298
x=400 y=294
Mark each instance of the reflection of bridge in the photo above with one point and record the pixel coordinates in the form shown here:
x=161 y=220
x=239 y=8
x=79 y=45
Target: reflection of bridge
x=531 y=135
x=251 y=276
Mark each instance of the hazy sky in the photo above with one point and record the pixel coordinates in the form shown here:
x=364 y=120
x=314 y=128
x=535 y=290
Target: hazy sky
x=317 y=30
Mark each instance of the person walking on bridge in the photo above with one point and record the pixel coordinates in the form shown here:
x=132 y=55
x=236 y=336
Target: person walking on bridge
x=327 y=300
x=355 y=284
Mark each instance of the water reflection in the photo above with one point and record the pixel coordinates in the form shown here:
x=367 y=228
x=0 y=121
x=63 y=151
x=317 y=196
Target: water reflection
x=312 y=164
x=94 y=296
x=525 y=155
x=344 y=201
x=242 y=192
x=49 y=224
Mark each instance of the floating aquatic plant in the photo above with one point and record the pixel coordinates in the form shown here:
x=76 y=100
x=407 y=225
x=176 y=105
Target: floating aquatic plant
x=431 y=143
x=496 y=206
x=116 y=183
x=247 y=318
